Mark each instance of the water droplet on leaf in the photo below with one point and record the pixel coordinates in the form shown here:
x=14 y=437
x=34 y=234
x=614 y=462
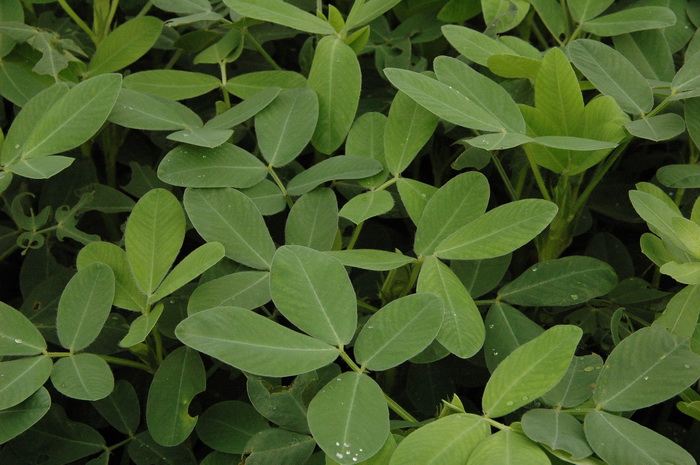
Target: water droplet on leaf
x=588 y=369
x=18 y=341
x=574 y=296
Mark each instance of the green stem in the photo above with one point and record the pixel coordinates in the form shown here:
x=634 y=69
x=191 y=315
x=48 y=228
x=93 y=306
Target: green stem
x=390 y=182
x=599 y=174
x=539 y=179
x=260 y=49
x=176 y=56
x=486 y=302
x=495 y=423
x=126 y=363
x=355 y=235
x=279 y=183
x=400 y=411
x=415 y=271
x=58 y=354
x=351 y=363
x=112 y=13
x=145 y=9
x=367 y=306
x=81 y=24
x=159 y=345
x=224 y=79
x=8 y=252
x=504 y=176
x=119 y=444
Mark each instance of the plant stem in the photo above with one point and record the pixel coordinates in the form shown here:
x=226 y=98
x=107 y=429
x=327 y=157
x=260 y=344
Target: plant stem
x=413 y=278
x=260 y=49
x=110 y=17
x=81 y=24
x=126 y=363
x=145 y=9
x=279 y=183
x=390 y=182
x=400 y=411
x=495 y=423
x=351 y=363
x=538 y=178
x=119 y=444
x=599 y=174
x=367 y=306
x=504 y=176
x=355 y=235
x=224 y=79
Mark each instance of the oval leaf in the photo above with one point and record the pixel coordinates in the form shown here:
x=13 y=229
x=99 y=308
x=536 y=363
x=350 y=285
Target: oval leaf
x=21 y=378
x=179 y=378
x=171 y=83
x=349 y=418
x=18 y=336
x=400 y=330
x=126 y=44
x=83 y=376
x=84 y=306
x=313 y=220
x=530 y=370
x=314 y=292
x=333 y=169
x=15 y=420
x=253 y=343
x=246 y=289
x=367 y=205
x=508 y=447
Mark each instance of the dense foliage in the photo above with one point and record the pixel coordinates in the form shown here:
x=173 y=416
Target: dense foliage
x=372 y=231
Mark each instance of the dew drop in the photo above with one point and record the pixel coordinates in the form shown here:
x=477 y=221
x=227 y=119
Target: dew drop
x=337 y=444
x=18 y=341
x=646 y=378
x=589 y=368
x=354 y=459
x=491 y=326
x=339 y=455
x=534 y=268
x=495 y=353
x=337 y=379
x=509 y=403
x=347 y=452
x=525 y=398
x=686 y=366
x=574 y=296
x=662 y=357
x=346 y=445
x=17 y=146
x=362 y=450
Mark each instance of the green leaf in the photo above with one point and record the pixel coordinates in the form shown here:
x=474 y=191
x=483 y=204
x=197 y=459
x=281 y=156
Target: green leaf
x=56 y=439
x=688 y=77
x=371 y=259
x=19 y=85
x=82 y=376
x=561 y=282
x=21 y=378
x=513 y=66
x=366 y=138
x=686 y=273
x=620 y=441
x=226 y=49
x=491 y=97
x=557 y=93
x=178 y=380
x=84 y=306
x=460 y=201
x=649 y=52
x=267 y=196
x=530 y=370
x=365 y=11
x=503 y=15
x=481 y=276
x=399 y=331
x=679 y=176
x=333 y=169
x=313 y=291
x=656 y=213
x=349 y=414
x=196 y=263
x=688 y=232
x=446 y=441
x=126 y=294
x=335 y=76
x=18 y=336
x=558 y=430
x=246 y=289
x=657 y=128
x=646 y=368
x=201 y=137
x=286 y=125
x=283 y=405
x=280 y=446
x=41 y=168
x=508 y=447
x=248 y=84
x=137 y=110
x=121 y=407
x=506 y=329
x=630 y=20
x=229 y=217
x=584 y=10
x=442 y=100
x=408 y=128
x=414 y=196
x=73 y=118
x=153 y=236
x=577 y=384
x=144 y=450
x=313 y=220
x=228 y=426
x=462 y=330
x=692 y=409
x=141 y=327
x=551 y=14
x=280 y=12
x=171 y=83
x=367 y=205
x=573 y=143
x=681 y=314
x=613 y=75
x=15 y=420
x=225 y=166
x=474 y=45
x=244 y=110
x=499 y=231
x=125 y=44
x=253 y=343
